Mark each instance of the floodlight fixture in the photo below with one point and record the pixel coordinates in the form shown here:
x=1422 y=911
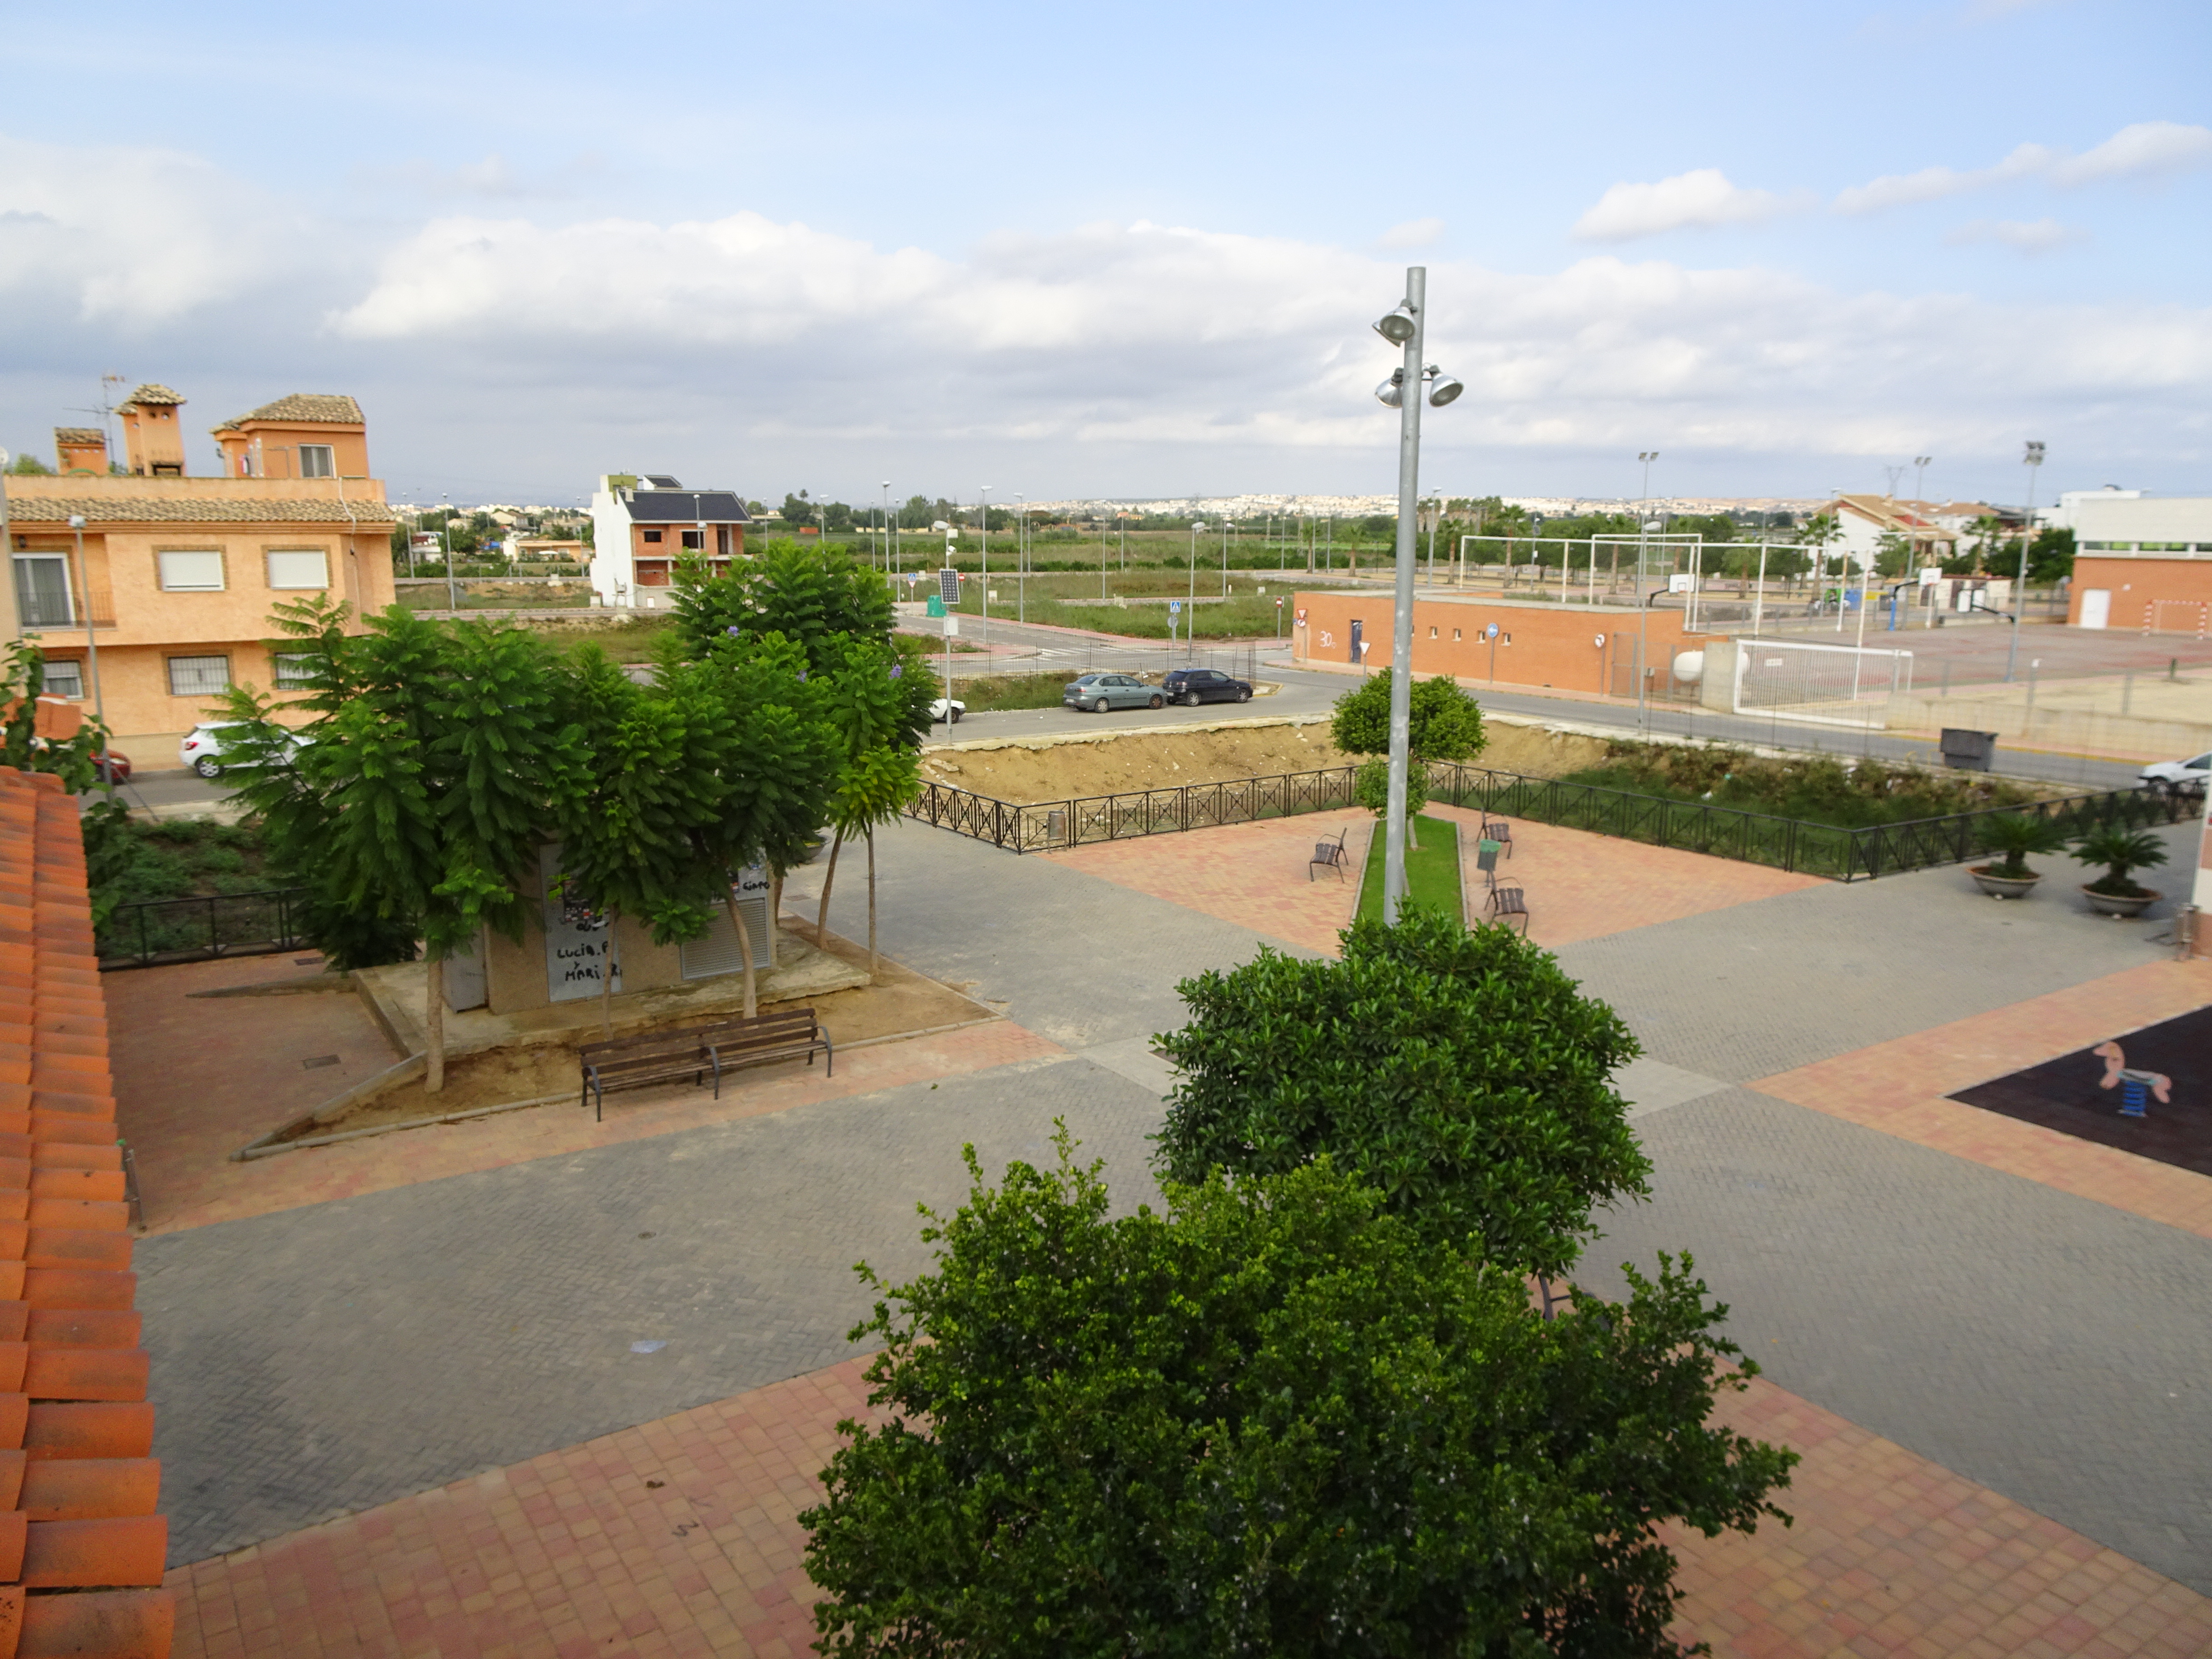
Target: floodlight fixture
x=1442 y=388
x=940 y=524
x=1397 y=325
x=1391 y=394
x=2034 y=456
x=1654 y=524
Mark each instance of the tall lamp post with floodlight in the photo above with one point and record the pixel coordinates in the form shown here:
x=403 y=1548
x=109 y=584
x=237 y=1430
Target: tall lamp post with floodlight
x=2032 y=460
x=983 y=531
x=1406 y=326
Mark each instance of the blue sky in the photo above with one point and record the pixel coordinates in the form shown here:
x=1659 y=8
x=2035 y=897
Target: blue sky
x=1132 y=251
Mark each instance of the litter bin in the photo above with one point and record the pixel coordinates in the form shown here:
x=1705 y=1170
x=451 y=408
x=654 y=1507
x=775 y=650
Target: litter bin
x=1968 y=751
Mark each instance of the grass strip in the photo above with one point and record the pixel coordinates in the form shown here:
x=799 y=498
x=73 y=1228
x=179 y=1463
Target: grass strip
x=1431 y=870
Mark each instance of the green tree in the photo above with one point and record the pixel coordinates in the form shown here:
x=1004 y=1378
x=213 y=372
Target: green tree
x=28 y=465
x=1445 y=723
x=633 y=809
x=867 y=703
x=1990 y=540
x=413 y=801
x=1458 y=1070
x=2051 y=555
x=1893 y=554
x=74 y=760
x=1267 y=1420
x=818 y=596
x=1370 y=788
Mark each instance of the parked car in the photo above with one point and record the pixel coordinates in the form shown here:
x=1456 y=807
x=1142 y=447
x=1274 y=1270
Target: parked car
x=1100 y=692
x=949 y=709
x=203 y=747
x=112 y=768
x=1192 y=686
x=2181 y=777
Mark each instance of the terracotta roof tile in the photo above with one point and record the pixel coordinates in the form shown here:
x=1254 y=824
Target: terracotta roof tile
x=81 y=1546
x=194 y=509
x=314 y=407
x=79 y=435
x=153 y=392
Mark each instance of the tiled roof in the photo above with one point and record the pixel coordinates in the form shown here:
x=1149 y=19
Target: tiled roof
x=153 y=392
x=79 y=435
x=81 y=1549
x=194 y=509
x=317 y=408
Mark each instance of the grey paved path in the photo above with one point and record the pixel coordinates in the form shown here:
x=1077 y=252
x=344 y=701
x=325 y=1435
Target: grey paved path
x=2043 y=1345
x=325 y=1359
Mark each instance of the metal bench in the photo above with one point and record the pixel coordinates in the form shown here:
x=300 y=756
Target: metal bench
x=1498 y=831
x=698 y=1052
x=1330 y=853
x=1506 y=903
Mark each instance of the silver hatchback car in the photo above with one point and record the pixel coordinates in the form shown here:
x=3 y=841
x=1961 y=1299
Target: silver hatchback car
x=1100 y=692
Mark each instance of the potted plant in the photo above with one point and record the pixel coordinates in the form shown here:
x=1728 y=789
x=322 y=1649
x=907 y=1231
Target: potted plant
x=2119 y=850
x=2015 y=834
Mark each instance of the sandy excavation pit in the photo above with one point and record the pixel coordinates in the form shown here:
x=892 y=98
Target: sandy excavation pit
x=1081 y=764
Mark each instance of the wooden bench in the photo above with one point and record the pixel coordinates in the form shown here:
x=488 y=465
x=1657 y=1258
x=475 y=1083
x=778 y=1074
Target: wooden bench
x=698 y=1052
x=1506 y=903
x=1329 y=854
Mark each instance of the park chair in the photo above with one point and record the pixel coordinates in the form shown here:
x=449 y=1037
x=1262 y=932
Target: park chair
x=1329 y=853
x=1506 y=904
x=1499 y=830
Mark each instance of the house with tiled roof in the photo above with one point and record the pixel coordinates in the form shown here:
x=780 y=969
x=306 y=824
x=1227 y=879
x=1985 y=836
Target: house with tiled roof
x=309 y=435
x=641 y=527
x=150 y=591
x=82 y=1543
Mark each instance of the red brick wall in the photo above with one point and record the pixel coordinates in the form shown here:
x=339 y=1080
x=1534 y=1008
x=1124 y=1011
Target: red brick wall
x=2136 y=583
x=1552 y=644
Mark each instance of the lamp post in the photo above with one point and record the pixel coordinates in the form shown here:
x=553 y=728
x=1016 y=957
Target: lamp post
x=2032 y=460
x=452 y=590
x=1643 y=541
x=984 y=520
x=1224 y=557
x=1406 y=326
x=1190 y=606
x=890 y=535
x=91 y=642
x=1021 y=557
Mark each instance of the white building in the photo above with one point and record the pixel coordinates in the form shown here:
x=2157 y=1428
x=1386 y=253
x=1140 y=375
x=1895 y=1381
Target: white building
x=641 y=529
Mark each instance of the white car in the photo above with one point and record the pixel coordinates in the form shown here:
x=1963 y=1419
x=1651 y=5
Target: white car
x=2183 y=777
x=937 y=709
x=201 y=749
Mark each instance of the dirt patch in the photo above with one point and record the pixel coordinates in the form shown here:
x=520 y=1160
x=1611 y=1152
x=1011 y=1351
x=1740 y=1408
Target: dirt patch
x=1068 y=768
x=901 y=1002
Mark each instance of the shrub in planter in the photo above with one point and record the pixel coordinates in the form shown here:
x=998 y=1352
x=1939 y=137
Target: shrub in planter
x=2016 y=835
x=2121 y=851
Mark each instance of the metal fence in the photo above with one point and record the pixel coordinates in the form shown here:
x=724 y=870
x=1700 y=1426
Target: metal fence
x=158 y=931
x=1792 y=844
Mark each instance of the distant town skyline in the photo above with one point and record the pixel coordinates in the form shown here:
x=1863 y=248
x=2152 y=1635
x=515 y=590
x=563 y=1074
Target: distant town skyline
x=1789 y=248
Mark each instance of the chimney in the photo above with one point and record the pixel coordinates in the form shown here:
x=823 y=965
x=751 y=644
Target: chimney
x=80 y=449
x=154 y=433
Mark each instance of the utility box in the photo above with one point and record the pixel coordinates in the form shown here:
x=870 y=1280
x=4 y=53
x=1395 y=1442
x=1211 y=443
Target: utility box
x=1968 y=751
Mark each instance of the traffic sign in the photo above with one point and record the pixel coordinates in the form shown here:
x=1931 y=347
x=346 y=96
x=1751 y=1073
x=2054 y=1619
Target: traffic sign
x=1491 y=631
x=1174 y=607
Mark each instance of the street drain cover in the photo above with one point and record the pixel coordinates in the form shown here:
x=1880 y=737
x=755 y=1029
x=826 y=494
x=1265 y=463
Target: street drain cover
x=318 y=1060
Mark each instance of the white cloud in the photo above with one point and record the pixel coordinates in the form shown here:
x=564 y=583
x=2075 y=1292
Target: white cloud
x=1147 y=354
x=1414 y=234
x=2148 y=148
x=2133 y=152
x=1699 y=200
x=2024 y=235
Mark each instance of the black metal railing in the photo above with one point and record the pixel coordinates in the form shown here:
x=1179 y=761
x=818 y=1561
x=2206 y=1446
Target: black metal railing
x=1792 y=844
x=155 y=931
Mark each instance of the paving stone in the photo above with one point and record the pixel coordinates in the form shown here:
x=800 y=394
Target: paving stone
x=2036 y=1342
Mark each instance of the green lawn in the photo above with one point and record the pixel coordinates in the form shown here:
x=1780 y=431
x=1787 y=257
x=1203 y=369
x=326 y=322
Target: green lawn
x=1431 y=870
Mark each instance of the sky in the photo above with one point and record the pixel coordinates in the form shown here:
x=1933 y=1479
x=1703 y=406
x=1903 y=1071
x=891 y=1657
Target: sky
x=1130 y=250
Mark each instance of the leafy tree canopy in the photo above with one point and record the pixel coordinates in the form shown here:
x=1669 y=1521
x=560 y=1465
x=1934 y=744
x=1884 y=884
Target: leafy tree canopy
x=1459 y=1071
x=1268 y=1421
x=1446 y=722
x=811 y=595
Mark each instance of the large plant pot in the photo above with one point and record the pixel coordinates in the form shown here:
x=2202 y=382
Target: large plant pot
x=2105 y=905
x=1998 y=886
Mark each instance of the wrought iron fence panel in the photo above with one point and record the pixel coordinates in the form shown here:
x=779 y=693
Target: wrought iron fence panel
x=151 y=931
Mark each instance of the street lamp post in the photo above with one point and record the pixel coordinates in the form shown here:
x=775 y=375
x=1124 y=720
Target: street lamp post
x=890 y=535
x=1406 y=326
x=1643 y=542
x=2032 y=460
x=1190 y=606
x=452 y=590
x=1224 y=557
x=1021 y=557
x=983 y=523
x=91 y=640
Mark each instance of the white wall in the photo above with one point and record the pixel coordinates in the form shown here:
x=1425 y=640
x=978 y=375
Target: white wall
x=611 y=551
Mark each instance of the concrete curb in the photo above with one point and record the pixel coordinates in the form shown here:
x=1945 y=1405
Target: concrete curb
x=392 y=1077
x=1058 y=739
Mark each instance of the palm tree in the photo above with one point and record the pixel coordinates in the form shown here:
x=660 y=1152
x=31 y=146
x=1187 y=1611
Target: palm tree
x=2016 y=835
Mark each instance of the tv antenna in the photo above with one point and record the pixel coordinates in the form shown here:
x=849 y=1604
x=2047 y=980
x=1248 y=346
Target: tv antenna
x=105 y=411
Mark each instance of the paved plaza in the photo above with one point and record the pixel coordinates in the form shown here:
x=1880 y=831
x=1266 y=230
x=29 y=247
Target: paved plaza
x=402 y=1413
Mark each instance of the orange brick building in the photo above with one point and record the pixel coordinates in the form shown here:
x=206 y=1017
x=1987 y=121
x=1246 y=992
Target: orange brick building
x=1569 y=649
x=171 y=579
x=2144 y=564
x=82 y=1546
